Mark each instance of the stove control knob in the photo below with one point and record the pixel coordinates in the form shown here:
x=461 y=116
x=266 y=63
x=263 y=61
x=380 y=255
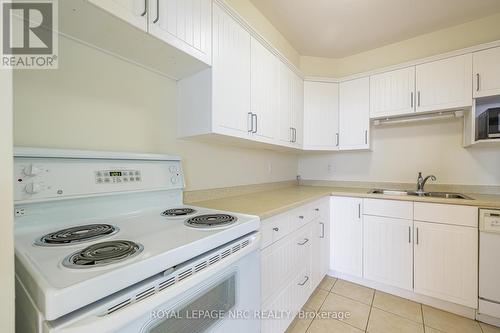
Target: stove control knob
x=33 y=188
x=32 y=170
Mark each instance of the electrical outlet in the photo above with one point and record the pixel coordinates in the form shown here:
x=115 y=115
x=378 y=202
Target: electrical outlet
x=19 y=212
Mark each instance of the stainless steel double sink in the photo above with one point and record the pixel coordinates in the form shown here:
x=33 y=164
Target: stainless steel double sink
x=444 y=195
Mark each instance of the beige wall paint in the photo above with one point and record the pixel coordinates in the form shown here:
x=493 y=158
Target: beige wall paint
x=461 y=36
x=96 y=101
x=6 y=205
x=262 y=25
x=399 y=152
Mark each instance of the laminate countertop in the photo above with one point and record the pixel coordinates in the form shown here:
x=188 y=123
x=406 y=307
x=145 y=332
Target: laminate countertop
x=266 y=204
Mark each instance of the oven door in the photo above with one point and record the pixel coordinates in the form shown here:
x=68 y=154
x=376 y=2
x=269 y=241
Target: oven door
x=221 y=298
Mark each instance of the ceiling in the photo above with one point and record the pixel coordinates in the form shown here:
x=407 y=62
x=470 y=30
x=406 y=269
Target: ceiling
x=339 y=28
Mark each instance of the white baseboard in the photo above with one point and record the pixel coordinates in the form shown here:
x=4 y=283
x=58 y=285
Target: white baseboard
x=430 y=301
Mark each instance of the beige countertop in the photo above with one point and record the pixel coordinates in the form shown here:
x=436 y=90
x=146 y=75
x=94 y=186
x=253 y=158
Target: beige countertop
x=269 y=203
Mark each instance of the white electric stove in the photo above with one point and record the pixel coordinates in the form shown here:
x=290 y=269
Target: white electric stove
x=104 y=244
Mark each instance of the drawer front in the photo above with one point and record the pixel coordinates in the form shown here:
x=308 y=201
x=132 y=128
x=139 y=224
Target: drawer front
x=447 y=214
x=388 y=208
x=274 y=229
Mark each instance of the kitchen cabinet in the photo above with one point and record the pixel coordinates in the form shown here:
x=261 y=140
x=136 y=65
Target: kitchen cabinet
x=444 y=84
x=486 y=78
x=347 y=235
x=392 y=93
x=321 y=115
x=264 y=82
x=185 y=24
x=290 y=109
x=134 y=12
x=446 y=262
x=320 y=259
x=388 y=251
x=354 y=119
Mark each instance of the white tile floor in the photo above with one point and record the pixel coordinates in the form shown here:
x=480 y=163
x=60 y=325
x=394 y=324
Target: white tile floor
x=376 y=312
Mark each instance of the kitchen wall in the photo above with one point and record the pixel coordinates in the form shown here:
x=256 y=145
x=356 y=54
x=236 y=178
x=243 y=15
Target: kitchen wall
x=96 y=101
x=461 y=36
x=399 y=152
x=6 y=211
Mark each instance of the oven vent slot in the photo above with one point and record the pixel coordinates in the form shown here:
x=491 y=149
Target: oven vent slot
x=167 y=283
x=187 y=273
x=174 y=277
x=119 y=306
x=214 y=259
x=144 y=294
x=200 y=266
x=225 y=253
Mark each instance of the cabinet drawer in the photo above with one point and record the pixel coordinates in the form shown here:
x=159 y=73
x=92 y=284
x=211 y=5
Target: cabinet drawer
x=274 y=229
x=388 y=208
x=447 y=214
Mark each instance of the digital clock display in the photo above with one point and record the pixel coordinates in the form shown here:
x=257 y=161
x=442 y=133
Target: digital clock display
x=115 y=173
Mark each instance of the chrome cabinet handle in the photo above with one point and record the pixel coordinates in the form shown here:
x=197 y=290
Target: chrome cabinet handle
x=417 y=236
x=157 y=11
x=322 y=230
x=411 y=100
x=359 y=211
x=145 y=8
x=305 y=281
x=301 y=217
x=478 y=79
x=304 y=242
x=276 y=229
x=291 y=134
x=338 y=137
x=250 y=130
x=316 y=209
x=409 y=234
x=256 y=122
x=366 y=137
x=418 y=99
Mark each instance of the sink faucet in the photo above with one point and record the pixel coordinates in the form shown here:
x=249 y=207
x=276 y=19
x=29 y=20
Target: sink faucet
x=421 y=182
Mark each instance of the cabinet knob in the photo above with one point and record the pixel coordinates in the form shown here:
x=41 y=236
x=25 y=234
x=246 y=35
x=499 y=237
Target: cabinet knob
x=276 y=229
x=301 y=217
x=316 y=209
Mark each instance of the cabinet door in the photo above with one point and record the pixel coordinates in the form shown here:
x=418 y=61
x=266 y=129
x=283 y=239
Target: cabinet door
x=264 y=89
x=297 y=110
x=131 y=11
x=388 y=251
x=347 y=236
x=321 y=115
x=354 y=124
x=487 y=72
x=185 y=24
x=446 y=264
x=286 y=90
x=321 y=243
x=230 y=75
x=444 y=84
x=392 y=93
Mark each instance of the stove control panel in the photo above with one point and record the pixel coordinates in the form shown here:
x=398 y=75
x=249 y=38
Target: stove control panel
x=117 y=176
x=51 y=178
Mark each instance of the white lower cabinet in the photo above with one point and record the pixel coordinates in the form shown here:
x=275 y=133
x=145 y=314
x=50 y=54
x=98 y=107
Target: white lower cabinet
x=388 y=251
x=293 y=262
x=347 y=236
x=446 y=262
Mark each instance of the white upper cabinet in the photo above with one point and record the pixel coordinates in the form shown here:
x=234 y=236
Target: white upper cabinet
x=134 y=12
x=290 y=109
x=321 y=115
x=392 y=93
x=347 y=235
x=487 y=72
x=264 y=89
x=354 y=119
x=230 y=75
x=444 y=84
x=185 y=24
